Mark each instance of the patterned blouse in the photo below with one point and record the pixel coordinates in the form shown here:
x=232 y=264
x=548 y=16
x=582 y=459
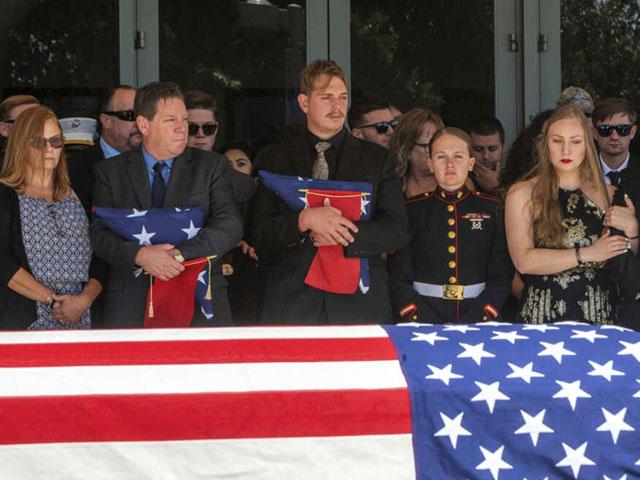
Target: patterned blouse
x=56 y=241
x=584 y=293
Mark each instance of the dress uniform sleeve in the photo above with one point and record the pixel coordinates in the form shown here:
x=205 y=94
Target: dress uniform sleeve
x=388 y=229
x=500 y=273
x=407 y=303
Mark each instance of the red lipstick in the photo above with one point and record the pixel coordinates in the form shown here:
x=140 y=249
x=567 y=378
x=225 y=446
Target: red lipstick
x=566 y=160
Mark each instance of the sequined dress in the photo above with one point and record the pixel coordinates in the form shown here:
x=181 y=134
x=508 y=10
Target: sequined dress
x=56 y=241
x=584 y=293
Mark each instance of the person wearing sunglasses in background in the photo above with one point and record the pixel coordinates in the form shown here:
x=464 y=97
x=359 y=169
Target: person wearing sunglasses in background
x=10 y=108
x=613 y=129
x=203 y=128
x=614 y=126
x=410 y=145
x=372 y=120
x=118 y=134
x=45 y=252
x=239 y=263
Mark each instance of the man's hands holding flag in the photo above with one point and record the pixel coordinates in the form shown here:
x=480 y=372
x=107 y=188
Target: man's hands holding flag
x=327 y=226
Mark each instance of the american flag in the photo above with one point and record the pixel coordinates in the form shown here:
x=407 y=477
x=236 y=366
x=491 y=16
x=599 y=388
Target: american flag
x=484 y=401
x=157 y=226
x=330 y=271
x=502 y=401
x=235 y=403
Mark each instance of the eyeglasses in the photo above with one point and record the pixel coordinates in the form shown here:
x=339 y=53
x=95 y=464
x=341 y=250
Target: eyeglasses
x=424 y=146
x=40 y=143
x=382 y=127
x=124 y=115
x=208 y=129
x=606 y=130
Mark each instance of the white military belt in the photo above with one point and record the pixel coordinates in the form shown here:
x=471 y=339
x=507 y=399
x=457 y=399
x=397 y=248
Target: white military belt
x=449 y=291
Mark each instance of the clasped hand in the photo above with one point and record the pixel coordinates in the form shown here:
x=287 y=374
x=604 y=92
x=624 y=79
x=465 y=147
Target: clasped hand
x=327 y=226
x=159 y=261
x=68 y=309
x=622 y=218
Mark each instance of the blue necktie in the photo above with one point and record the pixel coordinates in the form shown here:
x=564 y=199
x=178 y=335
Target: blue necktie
x=158 y=187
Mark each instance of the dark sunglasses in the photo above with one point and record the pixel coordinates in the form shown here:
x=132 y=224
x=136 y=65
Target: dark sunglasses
x=208 y=129
x=40 y=143
x=606 y=130
x=124 y=115
x=382 y=127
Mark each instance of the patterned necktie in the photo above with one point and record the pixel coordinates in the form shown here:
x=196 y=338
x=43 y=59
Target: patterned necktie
x=615 y=178
x=158 y=187
x=320 y=169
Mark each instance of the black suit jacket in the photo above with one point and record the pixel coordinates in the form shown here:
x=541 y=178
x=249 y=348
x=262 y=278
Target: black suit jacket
x=80 y=164
x=457 y=238
x=16 y=311
x=630 y=264
x=197 y=180
x=286 y=254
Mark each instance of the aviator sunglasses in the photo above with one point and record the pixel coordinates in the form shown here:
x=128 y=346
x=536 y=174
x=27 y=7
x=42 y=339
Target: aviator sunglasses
x=208 y=129
x=382 y=127
x=606 y=130
x=40 y=143
x=124 y=115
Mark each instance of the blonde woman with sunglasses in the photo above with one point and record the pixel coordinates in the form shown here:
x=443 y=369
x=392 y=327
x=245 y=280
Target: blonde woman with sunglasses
x=45 y=253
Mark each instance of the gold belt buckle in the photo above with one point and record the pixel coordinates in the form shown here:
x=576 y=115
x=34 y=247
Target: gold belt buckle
x=453 y=292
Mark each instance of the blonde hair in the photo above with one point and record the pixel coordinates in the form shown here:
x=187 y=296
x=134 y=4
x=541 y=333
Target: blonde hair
x=18 y=159
x=315 y=70
x=548 y=226
x=405 y=135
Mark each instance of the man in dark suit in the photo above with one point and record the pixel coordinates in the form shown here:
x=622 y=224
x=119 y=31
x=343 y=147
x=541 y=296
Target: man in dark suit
x=118 y=134
x=614 y=126
x=163 y=173
x=286 y=241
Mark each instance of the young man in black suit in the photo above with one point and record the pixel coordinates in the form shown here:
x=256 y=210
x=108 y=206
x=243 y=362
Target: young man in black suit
x=286 y=241
x=163 y=173
x=614 y=126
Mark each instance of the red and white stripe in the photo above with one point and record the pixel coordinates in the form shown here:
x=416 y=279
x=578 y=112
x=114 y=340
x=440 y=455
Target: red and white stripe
x=249 y=403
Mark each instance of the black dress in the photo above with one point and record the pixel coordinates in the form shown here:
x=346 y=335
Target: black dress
x=585 y=293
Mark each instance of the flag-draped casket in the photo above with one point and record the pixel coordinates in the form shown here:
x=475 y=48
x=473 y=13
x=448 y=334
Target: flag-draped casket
x=365 y=402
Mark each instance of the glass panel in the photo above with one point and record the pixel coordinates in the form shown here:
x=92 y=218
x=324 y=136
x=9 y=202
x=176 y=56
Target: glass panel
x=600 y=51
x=61 y=52
x=415 y=53
x=246 y=54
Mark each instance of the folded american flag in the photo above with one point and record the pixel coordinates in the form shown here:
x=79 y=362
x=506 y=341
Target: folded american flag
x=330 y=270
x=479 y=402
x=155 y=227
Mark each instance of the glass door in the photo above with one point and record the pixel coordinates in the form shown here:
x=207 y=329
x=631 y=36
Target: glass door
x=60 y=53
x=438 y=54
x=247 y=54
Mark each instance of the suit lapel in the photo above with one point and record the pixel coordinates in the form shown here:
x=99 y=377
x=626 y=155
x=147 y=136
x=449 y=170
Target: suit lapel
x=302 y=162
x=137 y=172
x=179 y=173
x=350 y=163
